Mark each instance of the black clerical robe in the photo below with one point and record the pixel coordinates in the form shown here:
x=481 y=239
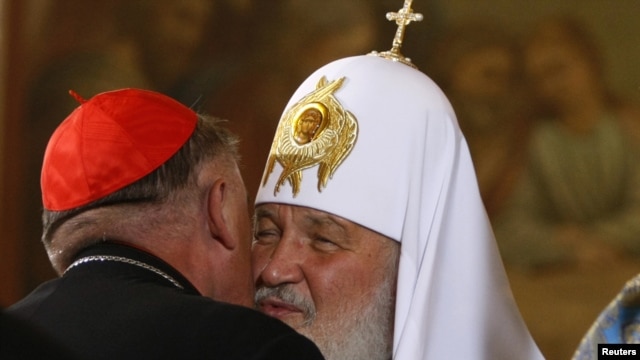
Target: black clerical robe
x=121 y=303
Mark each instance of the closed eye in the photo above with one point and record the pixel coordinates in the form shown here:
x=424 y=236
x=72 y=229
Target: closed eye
x=270 y=236
x=324 y=244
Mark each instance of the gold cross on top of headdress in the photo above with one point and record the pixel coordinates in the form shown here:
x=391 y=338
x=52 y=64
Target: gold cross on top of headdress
x=402 y=18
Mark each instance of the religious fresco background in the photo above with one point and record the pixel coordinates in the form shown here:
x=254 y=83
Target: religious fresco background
x=240 y=60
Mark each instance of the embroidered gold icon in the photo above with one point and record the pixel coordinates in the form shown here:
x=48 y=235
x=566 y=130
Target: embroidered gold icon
x=316 y=130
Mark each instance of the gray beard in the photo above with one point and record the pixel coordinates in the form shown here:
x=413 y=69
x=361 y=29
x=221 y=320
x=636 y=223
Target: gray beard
x=361 y=332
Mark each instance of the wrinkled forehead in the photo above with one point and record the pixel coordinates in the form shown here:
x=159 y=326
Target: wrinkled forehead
x=307 y=219
x=302 y=216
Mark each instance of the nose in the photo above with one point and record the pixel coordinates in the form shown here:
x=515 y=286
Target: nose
x=282 y=265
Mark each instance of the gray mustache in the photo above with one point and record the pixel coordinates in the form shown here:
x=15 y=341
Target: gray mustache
x=285 y=293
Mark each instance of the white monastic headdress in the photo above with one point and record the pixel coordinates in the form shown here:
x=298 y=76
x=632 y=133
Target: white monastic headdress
x=376 y=142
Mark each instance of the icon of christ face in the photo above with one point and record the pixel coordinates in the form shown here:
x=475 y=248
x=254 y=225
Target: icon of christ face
x=308 y=125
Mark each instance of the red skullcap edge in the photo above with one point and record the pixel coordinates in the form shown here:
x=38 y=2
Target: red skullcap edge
x=109 y=142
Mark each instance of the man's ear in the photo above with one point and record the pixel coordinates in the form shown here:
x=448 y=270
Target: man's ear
x=217 y=202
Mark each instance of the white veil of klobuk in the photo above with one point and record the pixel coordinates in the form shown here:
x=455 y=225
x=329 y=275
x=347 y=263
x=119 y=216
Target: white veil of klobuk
x=404 y=170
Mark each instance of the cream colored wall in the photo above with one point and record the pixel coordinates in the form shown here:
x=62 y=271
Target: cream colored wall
x=614 y=23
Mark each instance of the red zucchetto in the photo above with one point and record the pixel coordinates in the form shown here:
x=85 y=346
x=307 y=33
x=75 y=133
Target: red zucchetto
x=110 y=141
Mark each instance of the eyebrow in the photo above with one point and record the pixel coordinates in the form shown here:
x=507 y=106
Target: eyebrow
x=261 y=212
x=326 y=220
